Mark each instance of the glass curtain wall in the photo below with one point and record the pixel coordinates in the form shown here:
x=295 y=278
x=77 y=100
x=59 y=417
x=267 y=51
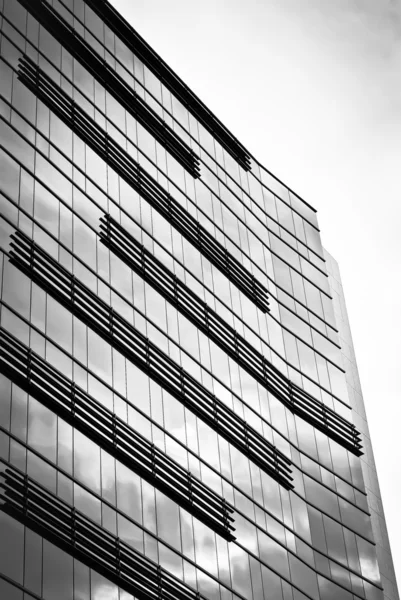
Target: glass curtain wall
x=174 y=414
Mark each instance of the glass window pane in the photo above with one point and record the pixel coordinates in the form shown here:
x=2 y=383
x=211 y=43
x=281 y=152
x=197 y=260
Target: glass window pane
x=9 y=592
x=12 y=553
x=57 y=573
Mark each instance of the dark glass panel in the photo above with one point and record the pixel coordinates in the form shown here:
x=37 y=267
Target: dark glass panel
x=57 y=573
x=16 y=14
x=12 y=553
x=303 y=577
x=5 y=402
x=330 y=591
x=33 y=562
x=17 y=146
x=16 y=289
x=4 y=445
x=272 y=584
x=317 y=529
x=10 y=592
x=6 y=77
x=42 y=427
x=335 y=539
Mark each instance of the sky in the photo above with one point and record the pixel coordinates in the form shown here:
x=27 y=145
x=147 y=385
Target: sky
x=313 y=91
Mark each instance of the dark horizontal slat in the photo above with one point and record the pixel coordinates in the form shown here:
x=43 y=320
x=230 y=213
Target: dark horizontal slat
x=115 y=85
x=62 y=396
x=139 y=259
x=83 y=303
x=40 y=510
x=93 y=135
x=172 y=82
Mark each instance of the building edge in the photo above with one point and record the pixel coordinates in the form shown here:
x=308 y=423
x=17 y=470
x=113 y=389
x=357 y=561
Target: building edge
x=378 y=520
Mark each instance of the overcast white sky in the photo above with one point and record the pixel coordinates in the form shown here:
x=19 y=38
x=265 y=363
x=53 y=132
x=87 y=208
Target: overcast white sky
x=313 y=89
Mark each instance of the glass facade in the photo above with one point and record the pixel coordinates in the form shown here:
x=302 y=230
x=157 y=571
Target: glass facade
x=176 y=420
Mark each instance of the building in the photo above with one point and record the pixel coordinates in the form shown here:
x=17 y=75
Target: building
x=180 y=415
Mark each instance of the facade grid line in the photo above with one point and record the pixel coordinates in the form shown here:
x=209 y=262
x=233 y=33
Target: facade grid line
x=176 y=413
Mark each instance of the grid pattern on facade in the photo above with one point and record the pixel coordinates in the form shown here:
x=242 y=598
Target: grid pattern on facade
x=75 y=406
x=174 y=416
x=82 y=302
x=65 y=108
x=31 y=504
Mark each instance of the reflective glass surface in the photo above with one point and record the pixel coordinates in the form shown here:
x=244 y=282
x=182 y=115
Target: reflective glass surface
x=61 y=188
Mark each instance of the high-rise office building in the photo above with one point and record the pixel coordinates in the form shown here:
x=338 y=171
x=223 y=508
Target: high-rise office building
x=180 y=416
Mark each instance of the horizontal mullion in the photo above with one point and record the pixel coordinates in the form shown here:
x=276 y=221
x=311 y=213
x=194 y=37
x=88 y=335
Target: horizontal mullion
x=41 y=82
x=222 y=265
x=97 y=544
x=182 y=287
x=80 y=49
x=115 y=436
x=198 y=110
x=157 y=274
x=319 y=415
x=154 y=476
x=76 y=413
x=71 y=115
x=124 y=337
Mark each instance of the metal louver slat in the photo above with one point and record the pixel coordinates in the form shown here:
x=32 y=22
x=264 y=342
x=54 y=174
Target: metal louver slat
x=79 y=409
x=33 y=505
x=140 y=260
x=172 y=82
x=83 y=303
x=95 y=137
x=113 y=83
